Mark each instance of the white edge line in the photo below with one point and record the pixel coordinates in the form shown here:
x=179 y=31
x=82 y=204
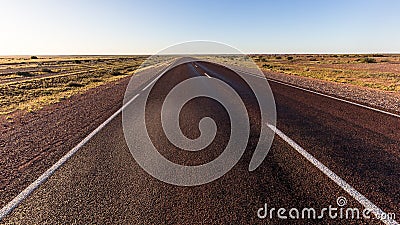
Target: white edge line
x=335 y=178
x=207 y=75
x=40 y=180
x=33 y=186
x=339 y=99
x=321 y=94
x=147 y=86
x=153 y=81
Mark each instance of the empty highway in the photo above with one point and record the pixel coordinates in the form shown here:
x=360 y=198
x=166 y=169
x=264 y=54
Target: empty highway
x=323 y=149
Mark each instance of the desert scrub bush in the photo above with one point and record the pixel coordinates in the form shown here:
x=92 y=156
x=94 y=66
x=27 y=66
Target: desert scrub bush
x=289 y=57
x=278 y=57
x=34 y=57
x=268 y=66
x=75 y=84
x=46 y=70
x=25 y=74
x=282 y=68
x=96 y=80
x=77 y=61
x=114 y=72
x=367 y=60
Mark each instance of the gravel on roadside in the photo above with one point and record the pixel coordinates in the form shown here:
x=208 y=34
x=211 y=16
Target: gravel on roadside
x=384 y=100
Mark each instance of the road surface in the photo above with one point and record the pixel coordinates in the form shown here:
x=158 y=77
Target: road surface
x=103 y=184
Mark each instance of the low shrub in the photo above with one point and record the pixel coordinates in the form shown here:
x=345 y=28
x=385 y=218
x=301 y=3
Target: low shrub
x=25 y=74
x=267 y=66
x=46 y=70
x=114 y=72
x=367 y=60
x=75 y=84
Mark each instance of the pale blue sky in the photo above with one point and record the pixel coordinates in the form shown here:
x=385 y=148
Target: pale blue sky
x=145 y=27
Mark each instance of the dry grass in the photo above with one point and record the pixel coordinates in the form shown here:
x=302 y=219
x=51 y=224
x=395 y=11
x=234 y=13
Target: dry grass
x=43 y=85
x=374 y=71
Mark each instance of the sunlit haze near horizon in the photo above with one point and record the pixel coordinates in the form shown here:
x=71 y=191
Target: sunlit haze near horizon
x=146 y=27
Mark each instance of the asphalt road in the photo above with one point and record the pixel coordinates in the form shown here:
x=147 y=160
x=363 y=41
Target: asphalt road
x=103 y=184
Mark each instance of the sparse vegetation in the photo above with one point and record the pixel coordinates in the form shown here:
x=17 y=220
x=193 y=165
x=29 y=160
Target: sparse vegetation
x=115 y=72
x=75 y=84
x=46 y=70
x=25 y=74
x=361 y=70
x=34 y=57
x=33 y=86
x=367 y=60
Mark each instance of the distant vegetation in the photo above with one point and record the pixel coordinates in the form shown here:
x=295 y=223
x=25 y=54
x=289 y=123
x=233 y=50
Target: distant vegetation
x=378 y=71
x=75 y=84
x=25 y=90
x=25 y=74
x=367 y=60
x=115 y=72
x=46 y=70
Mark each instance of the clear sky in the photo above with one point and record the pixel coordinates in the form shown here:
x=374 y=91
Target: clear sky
x=147 y=26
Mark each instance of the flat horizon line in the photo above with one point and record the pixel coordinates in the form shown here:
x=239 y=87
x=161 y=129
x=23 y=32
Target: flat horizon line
x=253 y=53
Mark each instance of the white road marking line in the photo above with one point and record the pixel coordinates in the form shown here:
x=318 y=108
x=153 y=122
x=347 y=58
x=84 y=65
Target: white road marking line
x=336 y=98
x=325 y=95
x=40 y=180
x=207 y=75
x=147 y=86
x=335 y=178
x=33 y=186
